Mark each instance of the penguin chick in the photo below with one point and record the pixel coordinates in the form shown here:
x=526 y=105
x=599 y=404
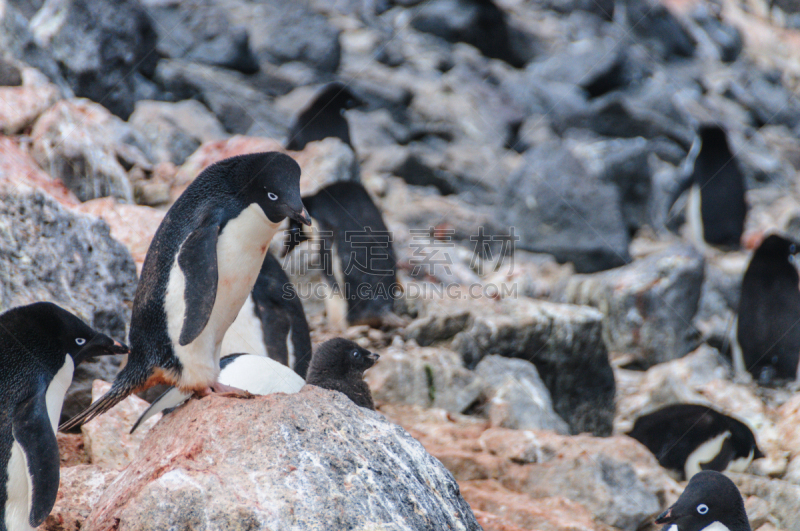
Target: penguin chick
x=272 y=317
x=40 y=345
x=201 y=266
x=253 y=373
x=339 y=365
x=357 y=251
x=716 y=208
x=769 y=309
x=710 y=501
x=324 y=117
x=688 y=438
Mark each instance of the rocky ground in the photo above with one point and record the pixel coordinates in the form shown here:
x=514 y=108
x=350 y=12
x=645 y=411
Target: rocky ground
x=566 y=120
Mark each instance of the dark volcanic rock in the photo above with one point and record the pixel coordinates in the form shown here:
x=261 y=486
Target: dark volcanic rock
x=50 y=253
x=659 y=28
x=556 y=207
x=199 y=30
x=477 y=22
x=601 y=8
x=310 y=460
x=283 y=31
x=105 y=50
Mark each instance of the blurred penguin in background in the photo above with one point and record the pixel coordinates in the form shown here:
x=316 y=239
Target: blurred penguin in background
x=324 y=117
x=768 y=327
x=715 y=208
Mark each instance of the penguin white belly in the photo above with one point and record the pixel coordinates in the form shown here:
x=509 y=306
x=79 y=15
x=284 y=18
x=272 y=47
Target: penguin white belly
x=740 y=464
x=241 y=247
x=54 y=397
x=19 y=489
x=716 y=526
x=704 y=453
x=245 y=334
x=290 y=358
x=335 y=301
x=261 y=376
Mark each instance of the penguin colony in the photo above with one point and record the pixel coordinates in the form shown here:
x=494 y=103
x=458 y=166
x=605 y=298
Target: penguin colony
x=209 y=258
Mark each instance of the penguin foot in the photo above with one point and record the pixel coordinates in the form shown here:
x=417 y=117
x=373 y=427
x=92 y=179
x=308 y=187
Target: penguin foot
x=220 y=389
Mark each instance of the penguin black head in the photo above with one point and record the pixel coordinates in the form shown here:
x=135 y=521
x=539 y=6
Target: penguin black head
x=709 y=498
x=714 y=139
x=269 y=179
x=775 y=246
x=324 y=117
x=295 y=235
x=342 y=356
x=337 y=96
x=64 y=331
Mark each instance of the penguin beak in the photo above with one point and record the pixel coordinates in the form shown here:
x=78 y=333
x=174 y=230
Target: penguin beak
x=301 y=216
x=665 y=517
x=101 y=345
x=373 y=357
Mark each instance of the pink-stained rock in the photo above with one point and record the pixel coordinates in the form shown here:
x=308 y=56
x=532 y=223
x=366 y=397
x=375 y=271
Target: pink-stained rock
x=21 y=105
x=20 y=173
x=78 y=492
x=71 y=449
x=311 y=460
x=108 y=442
x=132 y=225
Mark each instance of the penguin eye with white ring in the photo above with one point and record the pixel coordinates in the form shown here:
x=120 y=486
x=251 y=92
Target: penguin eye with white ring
x=80 y=341
x=272 y=196
x=356 y=354
x=702 y=508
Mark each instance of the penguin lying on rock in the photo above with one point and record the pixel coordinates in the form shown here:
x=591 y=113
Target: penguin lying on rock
x=199 y=270
x=688 y=438
x=40 y=345
x=338 y=365
x=361 y=267
x=710 y=502
x=272 y=322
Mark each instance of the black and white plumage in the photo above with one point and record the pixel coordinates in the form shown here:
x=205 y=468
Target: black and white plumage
x=716 y=206
x=339 y=365
x=710 y=502
x=324 y=117
x=768 y=324
x=201 y=266
x=255 y=374
x=40 y=345
x=272 y=322
x=688 y=438
x=361 y=267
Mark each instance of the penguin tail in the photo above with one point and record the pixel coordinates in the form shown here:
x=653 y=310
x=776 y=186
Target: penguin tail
x=170 y=398
x=114 y=396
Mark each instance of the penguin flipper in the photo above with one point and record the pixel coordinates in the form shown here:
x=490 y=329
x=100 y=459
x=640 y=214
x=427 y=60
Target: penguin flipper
x=684 y=184
x=198 y=262
x=171 y=398
x=33 y=431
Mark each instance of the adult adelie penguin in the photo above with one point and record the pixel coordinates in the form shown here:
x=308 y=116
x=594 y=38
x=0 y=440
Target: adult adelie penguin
x=358 y=255
x=688 y=438
x=710 y=502
x=324 y=117
x=716 y=207
x=200 y=268
x=768 y=325
x=272 y=318
x=40 y=345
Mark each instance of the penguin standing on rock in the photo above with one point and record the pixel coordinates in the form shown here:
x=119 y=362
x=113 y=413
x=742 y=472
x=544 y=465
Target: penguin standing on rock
x=768 y=324
x=40 y=345
x=359 y=259
x=716 y=206
x=272 y=321
x=688 y=438
x=201 y=266
x=710 y=502
x=324 y=117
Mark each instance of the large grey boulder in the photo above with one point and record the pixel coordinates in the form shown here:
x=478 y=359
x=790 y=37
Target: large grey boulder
x=556 y=207
x=49 y=253
x=199 y=30
x=563 y=341
x=311 y=460
x=105 y=50
x=649 y=304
